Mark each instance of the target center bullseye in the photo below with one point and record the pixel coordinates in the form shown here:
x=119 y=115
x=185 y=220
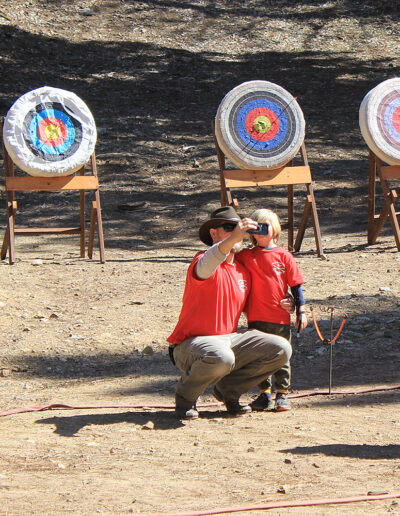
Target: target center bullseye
x=262 y=124
x=52 y=132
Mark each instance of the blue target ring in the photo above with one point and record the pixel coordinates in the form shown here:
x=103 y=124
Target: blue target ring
x=34 y=131
x=268 y=100
x=388 y=119
x=39 y=147
x=242 y=130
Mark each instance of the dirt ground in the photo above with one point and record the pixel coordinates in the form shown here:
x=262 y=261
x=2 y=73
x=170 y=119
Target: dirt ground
x=78 y=332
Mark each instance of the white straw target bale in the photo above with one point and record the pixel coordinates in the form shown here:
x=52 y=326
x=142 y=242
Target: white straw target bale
x=379 y=118
x=259 y=125
x=49 y=132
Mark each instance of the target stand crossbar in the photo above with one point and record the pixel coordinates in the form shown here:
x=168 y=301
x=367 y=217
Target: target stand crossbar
x=289 y=176
x=376 y=221
x=77 y=182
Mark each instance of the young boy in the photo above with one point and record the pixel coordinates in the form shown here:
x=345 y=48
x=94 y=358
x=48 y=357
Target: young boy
x=273 y=270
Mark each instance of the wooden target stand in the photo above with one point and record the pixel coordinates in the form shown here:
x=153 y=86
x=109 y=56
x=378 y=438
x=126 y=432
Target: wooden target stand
x=377 y=221
x=289 y=176
x=79 y=182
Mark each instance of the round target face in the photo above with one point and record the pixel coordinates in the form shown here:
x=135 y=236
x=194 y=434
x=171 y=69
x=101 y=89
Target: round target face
x=259 y=125
x=49 y=132
x=379 y=118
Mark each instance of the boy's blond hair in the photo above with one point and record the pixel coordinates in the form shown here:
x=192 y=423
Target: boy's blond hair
x=264 y=215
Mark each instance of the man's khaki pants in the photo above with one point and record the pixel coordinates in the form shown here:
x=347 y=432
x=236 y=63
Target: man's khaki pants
x=235 y=363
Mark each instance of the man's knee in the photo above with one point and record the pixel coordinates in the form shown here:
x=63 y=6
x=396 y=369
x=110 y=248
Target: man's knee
x=222 y=361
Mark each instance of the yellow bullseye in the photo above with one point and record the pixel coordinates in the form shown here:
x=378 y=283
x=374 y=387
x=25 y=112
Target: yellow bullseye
x=52 y=132
x=262 y=124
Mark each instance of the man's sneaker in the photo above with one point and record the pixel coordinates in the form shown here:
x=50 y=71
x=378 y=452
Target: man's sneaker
x=281 y=402
x=232 y=406
x=262 y=402
x=185 y=409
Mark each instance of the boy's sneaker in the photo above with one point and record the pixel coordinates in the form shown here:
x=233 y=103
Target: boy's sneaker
x=281 y=402
x=262 y=402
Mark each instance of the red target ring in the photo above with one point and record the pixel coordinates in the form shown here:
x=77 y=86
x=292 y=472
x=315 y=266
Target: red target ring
x=262 y=124
x=52 y=131
x=396 y=119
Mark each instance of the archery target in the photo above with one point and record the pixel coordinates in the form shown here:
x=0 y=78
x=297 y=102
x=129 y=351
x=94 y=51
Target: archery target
x=49 y=132
x=259 y=125
x=379 y=118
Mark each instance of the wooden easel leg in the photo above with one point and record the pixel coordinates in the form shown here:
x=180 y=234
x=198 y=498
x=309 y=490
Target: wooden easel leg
x=374 y=231
x=6 y=243
x=97 y=213
x=82 y=217
x=371 y=199
x=290 y=217
x=93 y=218
x=99 y=227
x=393 y=218
x=309 y=209
x=317 y=231
x=389 y=208
x=10 y=236
x=82 y=224
x=303 y=224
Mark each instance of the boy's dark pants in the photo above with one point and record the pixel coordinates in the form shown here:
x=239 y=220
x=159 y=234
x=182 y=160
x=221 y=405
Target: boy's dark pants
x=281 y=377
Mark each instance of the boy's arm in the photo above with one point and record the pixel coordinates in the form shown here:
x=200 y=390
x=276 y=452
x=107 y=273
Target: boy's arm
x=301 y=318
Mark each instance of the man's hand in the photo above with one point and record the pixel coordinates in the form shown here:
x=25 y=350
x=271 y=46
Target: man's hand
x=237 y=235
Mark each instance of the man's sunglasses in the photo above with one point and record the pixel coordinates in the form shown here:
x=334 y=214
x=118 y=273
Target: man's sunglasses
x=227 y=227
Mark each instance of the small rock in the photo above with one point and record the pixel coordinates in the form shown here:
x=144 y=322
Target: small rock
x=196 y=164
x=86 y=12
x=5 y=372
x=148 y=350
x=384 y=289
x=316 y=465
x=148 y=426
x=287 y=461
x=281 y=489
x=37 y=262
x=251 y=449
